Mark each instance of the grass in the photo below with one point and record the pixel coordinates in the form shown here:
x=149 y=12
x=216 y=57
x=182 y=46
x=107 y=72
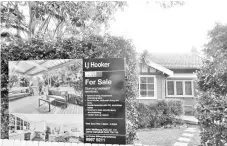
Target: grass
x=165 y=137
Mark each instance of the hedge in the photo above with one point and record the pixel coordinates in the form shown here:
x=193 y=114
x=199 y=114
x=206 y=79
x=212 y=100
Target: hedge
x=212 y=116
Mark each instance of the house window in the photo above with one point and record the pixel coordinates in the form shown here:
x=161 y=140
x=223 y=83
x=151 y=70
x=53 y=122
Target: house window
x=18 y=123
x=188 y=88
x=147 y=86
x=21 y=124
x=179 y=88
x=28 y=126
x=11 y=122
x=170 y=85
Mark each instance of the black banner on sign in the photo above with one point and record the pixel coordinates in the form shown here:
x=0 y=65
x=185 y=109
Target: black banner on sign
x=104 y=101
x=112 y=64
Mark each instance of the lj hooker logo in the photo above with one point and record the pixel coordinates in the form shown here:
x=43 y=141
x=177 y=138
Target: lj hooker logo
x=88 y=65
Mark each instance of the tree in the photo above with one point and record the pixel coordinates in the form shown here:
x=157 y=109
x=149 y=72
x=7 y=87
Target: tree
x=213 y=75
x=56 y=19
x=143 y=56
x=212 y=83
x=13 y=79
x=170 y=4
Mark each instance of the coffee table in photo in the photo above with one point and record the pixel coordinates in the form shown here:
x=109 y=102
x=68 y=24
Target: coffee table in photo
x=48 y=101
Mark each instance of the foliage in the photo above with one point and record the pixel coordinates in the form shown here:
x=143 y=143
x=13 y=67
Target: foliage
x=165 y=112
x=24 y=81
x=90 y=47
x=143 y=121
x=212 y=83
x=176 y=107
x=213 y=120
x=68 y=74
x=12 y=80
x=213 y=75
x=74 y=76
x=52 y=19
x=170 y=4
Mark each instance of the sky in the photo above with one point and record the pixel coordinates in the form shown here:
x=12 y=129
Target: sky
x=176 y=29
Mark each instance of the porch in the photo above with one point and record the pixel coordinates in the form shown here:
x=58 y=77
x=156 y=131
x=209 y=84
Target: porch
x=46 y=86
x=29 y=105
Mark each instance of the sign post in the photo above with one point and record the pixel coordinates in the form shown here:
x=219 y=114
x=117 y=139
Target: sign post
x=104 y=101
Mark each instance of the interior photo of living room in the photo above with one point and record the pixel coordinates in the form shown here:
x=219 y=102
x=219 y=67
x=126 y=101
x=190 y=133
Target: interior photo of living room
x=46 y=86
x=43 y=127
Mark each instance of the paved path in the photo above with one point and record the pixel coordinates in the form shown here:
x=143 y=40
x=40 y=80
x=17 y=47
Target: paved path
x=186 y=137
x=189 y=119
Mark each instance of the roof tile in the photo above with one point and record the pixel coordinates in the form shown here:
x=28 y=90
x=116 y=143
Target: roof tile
x=177 y=60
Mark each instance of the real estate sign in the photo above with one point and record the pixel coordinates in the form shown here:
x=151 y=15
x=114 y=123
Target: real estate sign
x=104 y=101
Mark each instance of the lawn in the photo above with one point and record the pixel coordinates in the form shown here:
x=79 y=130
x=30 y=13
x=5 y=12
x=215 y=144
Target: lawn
x=165 y=137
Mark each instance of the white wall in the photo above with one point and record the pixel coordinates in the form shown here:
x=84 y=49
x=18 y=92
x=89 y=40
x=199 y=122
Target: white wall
x=40 y=126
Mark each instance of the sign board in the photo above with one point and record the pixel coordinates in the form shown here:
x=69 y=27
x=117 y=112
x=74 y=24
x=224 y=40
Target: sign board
x=104 y=101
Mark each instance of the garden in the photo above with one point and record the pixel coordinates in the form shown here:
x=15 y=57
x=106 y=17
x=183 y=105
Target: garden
x=160 y=123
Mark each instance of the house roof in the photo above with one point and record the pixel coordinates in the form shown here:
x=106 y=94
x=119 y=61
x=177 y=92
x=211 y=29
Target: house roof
x=159 y=67
x=176 y=60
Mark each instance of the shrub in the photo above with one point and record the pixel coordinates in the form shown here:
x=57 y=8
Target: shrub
x=212 y=113
x=176 y=107
x=169 y=110
x=165 y=112
x=145 y=115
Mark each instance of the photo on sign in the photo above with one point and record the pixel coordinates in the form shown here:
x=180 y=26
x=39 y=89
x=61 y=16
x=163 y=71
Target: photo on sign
x=46 y=86
x=43 y=127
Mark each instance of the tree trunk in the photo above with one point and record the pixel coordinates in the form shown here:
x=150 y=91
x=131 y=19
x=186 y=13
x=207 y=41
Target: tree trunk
x=30 y=20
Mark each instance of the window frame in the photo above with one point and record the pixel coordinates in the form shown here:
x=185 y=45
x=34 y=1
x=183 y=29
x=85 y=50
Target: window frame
x=12 y=124
x=175 y=89
x=155 y=87
x=19 y=122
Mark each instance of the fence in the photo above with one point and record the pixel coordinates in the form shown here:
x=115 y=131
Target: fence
x=6 y=142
